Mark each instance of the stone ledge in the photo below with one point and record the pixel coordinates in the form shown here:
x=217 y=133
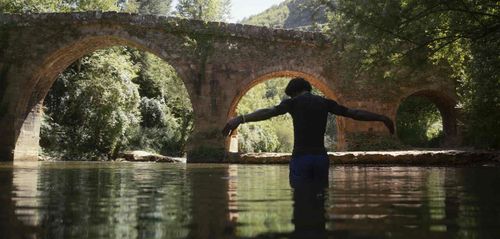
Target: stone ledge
x=143 y=156
x=408 y=158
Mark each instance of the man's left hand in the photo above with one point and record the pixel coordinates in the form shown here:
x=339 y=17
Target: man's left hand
x=231 y=125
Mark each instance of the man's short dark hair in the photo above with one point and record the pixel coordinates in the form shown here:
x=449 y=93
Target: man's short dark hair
x=296 y=86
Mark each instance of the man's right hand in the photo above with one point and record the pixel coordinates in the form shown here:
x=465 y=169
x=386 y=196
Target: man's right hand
x=231 y=125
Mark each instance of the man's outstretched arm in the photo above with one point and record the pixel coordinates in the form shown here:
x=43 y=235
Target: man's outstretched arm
x=361 y=115
x=259 y=115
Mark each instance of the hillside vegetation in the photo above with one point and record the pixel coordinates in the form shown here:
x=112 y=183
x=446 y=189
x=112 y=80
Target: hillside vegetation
x=290 y=14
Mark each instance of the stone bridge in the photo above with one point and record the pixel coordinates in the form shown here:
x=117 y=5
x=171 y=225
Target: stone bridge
x=218 y=63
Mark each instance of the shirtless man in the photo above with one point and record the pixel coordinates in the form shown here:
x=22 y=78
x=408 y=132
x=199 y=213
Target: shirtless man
x=309 y=112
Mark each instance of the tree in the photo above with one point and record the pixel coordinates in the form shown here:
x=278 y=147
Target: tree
x=378 y=37
x=58 y=5
x=206 y=10
x=157 y=7
x=167 y=114
x=92 y=108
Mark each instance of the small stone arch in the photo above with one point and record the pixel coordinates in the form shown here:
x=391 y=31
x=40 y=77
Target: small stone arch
x=446 y=105
x=44 y=76
x=315 y=80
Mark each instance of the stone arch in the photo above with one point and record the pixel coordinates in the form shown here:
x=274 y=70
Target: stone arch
x=316 y=80
x=446 y=105
x=44 y=76
x=64 y=56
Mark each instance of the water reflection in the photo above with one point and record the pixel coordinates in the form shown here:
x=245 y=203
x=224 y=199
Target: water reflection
x=129 y=200
x=263 y=200
x=209 y=208
x=309 y=212
x=412 y=202
x=11 y=224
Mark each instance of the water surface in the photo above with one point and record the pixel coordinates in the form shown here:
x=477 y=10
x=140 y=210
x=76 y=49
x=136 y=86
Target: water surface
x=149 y=200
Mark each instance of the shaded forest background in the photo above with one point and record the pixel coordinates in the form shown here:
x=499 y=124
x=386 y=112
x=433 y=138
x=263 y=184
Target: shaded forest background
x=121 y=98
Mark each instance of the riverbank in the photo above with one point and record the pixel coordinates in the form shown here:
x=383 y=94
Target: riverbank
x=408 y=158
x=379 y=158
x=144 y=156
x=404 y=158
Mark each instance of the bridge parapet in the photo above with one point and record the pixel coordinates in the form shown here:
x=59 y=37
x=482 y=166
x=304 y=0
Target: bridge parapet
x=169 y=24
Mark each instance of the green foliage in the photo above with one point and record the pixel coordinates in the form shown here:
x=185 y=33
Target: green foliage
x=481 y=95
x=154 y=113
x=160 y=121
x=92 y=108
x=419 y=123
x=382 y=38
x=263 y=136
x=58 y=5
x=162 y=140
x=259 y=137
x=272 y=17
x=206 y=10
x=158 y=79
x=15 y=6
x=167 y=114
x=284 y=135
x=157 y=7
x=295 y=14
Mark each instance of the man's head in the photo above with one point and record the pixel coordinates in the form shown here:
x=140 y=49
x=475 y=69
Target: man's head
x=297 y=86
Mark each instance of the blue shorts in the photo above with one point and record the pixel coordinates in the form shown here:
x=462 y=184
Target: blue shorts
x=309 y=170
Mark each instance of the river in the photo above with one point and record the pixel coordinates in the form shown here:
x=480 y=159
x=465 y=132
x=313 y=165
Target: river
x=152 y=200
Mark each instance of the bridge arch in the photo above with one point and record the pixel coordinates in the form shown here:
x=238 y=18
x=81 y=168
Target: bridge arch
x=57 y=59
x=316 y=81
x=446 y=104
x=62 y=57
